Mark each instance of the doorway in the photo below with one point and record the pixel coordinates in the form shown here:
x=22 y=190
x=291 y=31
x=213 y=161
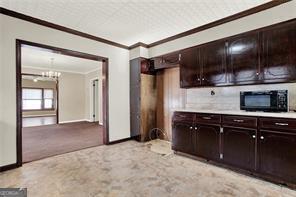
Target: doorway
x=84 y=126
x=96 y=101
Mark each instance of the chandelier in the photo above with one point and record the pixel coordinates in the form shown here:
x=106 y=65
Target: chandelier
x=51 y=73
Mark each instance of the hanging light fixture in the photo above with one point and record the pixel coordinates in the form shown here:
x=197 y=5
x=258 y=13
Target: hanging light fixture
x=51 y=73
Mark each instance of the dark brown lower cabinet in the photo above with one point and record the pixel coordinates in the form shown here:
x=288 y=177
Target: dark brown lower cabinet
x=207 y=143
x=278 y=154
x=183 y=137
x=264 y=147
x=239 y=147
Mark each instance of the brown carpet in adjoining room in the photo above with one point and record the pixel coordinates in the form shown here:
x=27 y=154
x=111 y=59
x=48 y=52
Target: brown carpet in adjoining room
x=45 y=141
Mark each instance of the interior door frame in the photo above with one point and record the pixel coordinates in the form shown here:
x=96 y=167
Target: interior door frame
x=105 y=84
x=91 y=98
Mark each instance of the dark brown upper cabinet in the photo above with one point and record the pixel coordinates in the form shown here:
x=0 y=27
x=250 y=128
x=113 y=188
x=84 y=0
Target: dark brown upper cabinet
x=279 y=53
x=190 y=69
x=243 y=59
x=167 y=61
x=266 y=55
x=213 y=61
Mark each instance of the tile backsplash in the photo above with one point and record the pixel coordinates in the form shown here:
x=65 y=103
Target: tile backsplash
x=227 y=98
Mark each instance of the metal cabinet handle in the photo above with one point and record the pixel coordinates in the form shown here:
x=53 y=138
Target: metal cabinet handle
x=206 y=118
x=190 y=127
x=180 y=57
x=281 y=124
x=262 y=138
x=238 y=120
x=195 y=128
x=254 y=136
x=203 y=79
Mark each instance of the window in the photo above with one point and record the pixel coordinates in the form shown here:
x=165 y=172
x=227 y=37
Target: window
x=48 y=99
x=38 y=99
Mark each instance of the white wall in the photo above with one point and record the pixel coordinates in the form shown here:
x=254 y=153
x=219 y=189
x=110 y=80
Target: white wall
x=13 y=29
x=71 y=97
x=88 y=94
x=271 y=16
x=139 y=52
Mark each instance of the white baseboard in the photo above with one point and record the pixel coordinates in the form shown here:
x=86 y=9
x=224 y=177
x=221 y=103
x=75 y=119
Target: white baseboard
x=88 y=120
x=70 y=121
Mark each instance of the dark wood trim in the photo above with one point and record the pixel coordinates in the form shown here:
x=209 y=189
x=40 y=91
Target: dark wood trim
x=105 y=84
x=120 y=141
x=8 y=167
x=19 y=113
x=63 y=51
x=57 y=102
x=58 y=27
x=138 y=44
x=239 y=15
x=105 y=61
x=39 y=116
x=28 y=74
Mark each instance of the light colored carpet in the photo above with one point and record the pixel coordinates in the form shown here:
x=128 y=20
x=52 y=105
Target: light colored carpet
x=131 y=169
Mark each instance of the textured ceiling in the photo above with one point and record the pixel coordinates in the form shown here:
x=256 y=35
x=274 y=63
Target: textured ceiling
x=34 y=57
x=130 y=21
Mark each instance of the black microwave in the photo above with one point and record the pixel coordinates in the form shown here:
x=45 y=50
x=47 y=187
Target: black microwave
x=268 y=101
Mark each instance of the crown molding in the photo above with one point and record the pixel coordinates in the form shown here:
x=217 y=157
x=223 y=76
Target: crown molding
x=58 y=27
x=138 y=44
x=233 y=17
x=227 y=19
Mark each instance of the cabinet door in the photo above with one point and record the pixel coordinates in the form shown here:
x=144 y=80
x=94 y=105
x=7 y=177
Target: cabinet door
x=239 y=147
x=278 y=155
x=183 y=137
x=213 y=57
x=207 y=144
x=167 y=61
x=279 y=53
x=243 y=59
x=190 y=68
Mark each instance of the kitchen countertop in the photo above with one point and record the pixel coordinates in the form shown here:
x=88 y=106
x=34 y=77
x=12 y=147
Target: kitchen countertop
x=243 y=113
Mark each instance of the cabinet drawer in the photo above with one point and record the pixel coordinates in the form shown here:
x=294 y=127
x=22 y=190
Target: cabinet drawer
x=240 y=121
x=208 y=118
x=277 y=123
x=184 y=117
